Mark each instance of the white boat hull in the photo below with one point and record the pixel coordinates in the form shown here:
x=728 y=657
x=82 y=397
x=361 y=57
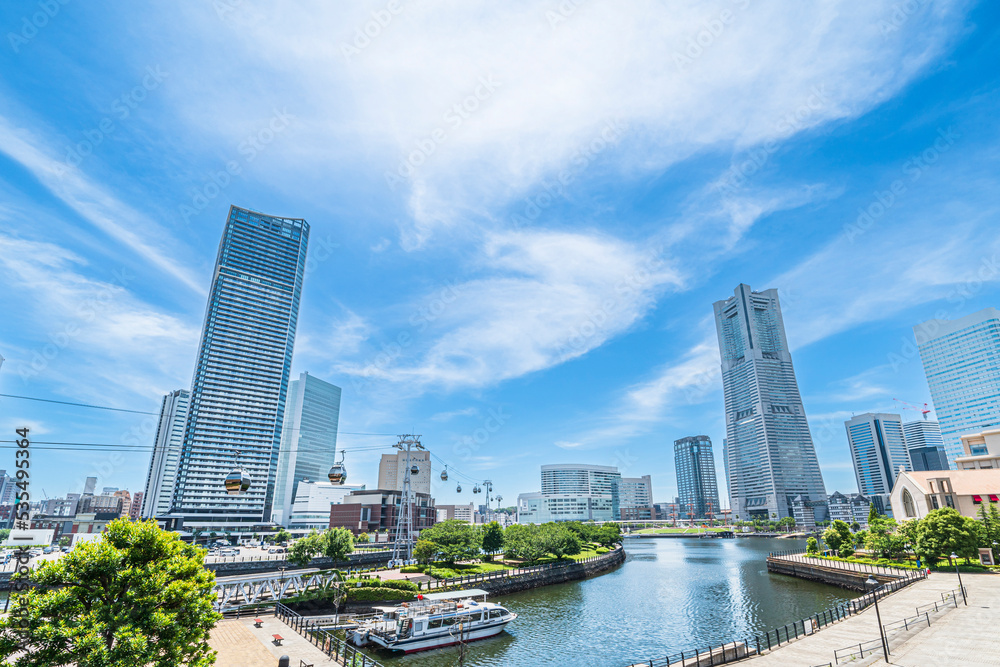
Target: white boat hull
x=428 y=642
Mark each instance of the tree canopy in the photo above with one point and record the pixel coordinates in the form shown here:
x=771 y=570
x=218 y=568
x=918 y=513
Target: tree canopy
x=943 y=532
x=455 y=539
x=333 y=543
x=137 y=596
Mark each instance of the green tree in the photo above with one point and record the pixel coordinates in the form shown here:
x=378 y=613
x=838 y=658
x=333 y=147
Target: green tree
x=136 y=596
x=64 y=541
x=455 y=539
x=336 y=543
x=908 y=530
x=521 y=542
x=304 y=549
x=838 y=537
x=608 y=535
x=883 y=539
x=558 y=540
x=990 y=518
x=362 y=538
x=425 y=551
x=943 y=532
x=492 y=539
x=281 y=536
x=872 y=513
x=812 y=546
x=855 y=526
x=4 y=534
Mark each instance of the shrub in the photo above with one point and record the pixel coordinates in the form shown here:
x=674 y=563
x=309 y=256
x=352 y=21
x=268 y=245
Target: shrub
x=397 y=584
x=602 y=550
x=376 y=594
x=412 y=569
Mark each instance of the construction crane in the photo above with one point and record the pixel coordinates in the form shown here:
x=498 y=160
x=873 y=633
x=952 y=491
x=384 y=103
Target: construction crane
x=910 y=406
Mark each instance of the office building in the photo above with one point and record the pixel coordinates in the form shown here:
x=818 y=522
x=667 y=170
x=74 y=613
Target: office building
x=962 y=363
x=102 y=504
x=89 y=486
x=8 y=485
x=925 y=445
x=635 y=498
x=308 y=440
x=573 y=492
x=772 y=459
x=697 y=488
x=109 y=490
x=878 y=451
x=725 y=465
x=238 y=393
x=466 y=513
x=378 y=509
x=126 y=501
x=392 y=471
x=311 y=509
x=162 y=473
x=135 y=513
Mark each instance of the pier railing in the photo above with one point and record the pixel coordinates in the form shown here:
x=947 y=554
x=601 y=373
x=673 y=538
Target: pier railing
x=733 y=651
x=334 y=647
x=799 y=557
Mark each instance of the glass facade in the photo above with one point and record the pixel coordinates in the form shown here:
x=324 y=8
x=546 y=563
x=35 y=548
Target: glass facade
x=573 y=493
x=697 y=488
x=241 y=374
x=878 y=451
x=166 y=453
x=308 y=440
x=770 y=452
x=962 y=363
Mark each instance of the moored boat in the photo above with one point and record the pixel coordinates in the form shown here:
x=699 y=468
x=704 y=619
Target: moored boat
x=433 y=621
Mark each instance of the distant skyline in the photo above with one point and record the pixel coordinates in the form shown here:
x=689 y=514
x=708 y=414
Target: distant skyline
x=515 y=246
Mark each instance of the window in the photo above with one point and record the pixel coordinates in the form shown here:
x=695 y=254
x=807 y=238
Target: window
x=435 y=623
x=934 y=502
x=908 y=508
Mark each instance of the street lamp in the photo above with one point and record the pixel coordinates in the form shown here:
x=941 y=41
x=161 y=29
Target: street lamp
x=873 y=582
x=960 y=586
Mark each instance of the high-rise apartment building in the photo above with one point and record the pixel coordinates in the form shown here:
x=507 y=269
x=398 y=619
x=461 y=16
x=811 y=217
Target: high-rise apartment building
x=392 y=471
x=878 y=451
x=308 y=440
x=772 y=459
x=925 y=445
x=962 y=363
x=162 y=474
x=136 y=512
x=89 y=486
x=697 y=487
x=241 y=374
x=126 y=500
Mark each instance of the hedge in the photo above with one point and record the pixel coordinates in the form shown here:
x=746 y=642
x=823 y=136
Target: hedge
x=372 y=594
x=397 y=584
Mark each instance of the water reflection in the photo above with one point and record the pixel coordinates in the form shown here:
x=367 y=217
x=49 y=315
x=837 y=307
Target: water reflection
x=670 y=595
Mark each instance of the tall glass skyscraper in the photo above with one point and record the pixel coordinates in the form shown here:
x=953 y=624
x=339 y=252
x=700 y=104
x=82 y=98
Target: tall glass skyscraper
x=697 y=487
x=878 y=451
x=308 y=440
x=241 y=374
x=962 y=363
x=166 y=453
x=772 y=460
x=925 y=445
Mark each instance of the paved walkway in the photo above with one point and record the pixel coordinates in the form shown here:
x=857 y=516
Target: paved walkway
x=965 y=637
x=818 y=649
x=240 y=644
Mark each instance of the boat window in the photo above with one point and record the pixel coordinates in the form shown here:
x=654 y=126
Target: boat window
x=434 y=623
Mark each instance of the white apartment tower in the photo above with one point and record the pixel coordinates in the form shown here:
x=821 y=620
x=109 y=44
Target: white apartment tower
x=166 y=451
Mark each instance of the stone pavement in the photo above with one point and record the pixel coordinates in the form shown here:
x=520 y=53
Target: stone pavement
x=965 y=637
x=240 y=644
x=818 y=649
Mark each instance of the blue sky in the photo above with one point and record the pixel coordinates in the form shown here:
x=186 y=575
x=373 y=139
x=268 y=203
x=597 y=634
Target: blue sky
x=520 y=216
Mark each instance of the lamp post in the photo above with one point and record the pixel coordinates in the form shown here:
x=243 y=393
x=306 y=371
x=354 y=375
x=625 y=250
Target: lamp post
x=960 y=586
x=873 y=582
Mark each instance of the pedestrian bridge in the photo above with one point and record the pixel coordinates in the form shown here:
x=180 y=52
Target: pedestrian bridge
x=270 y=587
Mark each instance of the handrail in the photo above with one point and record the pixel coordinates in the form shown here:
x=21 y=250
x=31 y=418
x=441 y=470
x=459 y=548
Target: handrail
x=330 y=644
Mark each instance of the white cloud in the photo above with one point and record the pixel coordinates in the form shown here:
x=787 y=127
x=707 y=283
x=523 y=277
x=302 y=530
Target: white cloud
x=553 y=296
x=767 y=73
x=94 y=203
x=130 y=347
x=448 y=416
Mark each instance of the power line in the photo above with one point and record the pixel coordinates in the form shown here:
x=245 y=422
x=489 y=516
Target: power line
x=79 y=405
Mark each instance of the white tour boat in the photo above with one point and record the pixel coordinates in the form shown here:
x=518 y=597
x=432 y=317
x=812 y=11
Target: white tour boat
x=432 y=621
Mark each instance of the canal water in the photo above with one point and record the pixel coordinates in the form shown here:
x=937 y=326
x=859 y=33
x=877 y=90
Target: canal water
x=669 y=595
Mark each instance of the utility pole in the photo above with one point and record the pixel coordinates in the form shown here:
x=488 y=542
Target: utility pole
x=404 y=517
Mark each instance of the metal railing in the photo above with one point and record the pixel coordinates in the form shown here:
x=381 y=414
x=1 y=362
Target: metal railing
x=334 y=647
x=922 y=618
x=799 y=557
x=724 y=653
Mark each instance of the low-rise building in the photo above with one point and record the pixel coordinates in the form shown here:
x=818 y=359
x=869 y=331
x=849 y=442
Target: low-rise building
x=93 y=522
x=465 y=513
x=311 y=508
x=369 y=511
x=100 y=505
x=849 y=508
x=918 y=493
x=981 y=450
x=59 y=525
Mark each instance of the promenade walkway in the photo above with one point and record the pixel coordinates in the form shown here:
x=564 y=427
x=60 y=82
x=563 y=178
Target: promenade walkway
x=958 y=637
x=240 y=644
